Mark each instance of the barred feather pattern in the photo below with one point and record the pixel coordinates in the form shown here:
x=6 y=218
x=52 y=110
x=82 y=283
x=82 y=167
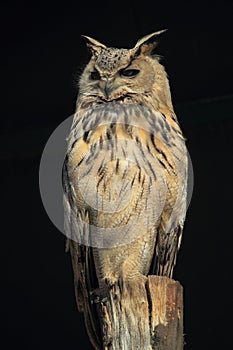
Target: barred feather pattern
x=124 y=172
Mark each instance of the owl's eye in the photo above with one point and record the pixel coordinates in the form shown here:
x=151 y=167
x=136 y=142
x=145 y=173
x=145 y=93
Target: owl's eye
x=129 y=72
x=95 y=75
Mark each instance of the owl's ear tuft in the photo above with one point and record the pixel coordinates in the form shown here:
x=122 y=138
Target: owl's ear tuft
x=148 y=43
x=94 y=46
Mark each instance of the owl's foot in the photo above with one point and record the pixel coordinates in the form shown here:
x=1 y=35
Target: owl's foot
x=98 y=296
x=110 y=282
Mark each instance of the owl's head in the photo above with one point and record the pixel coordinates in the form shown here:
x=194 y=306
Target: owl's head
x=114 y=74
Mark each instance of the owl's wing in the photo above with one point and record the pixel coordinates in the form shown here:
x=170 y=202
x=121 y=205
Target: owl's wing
x=174 y=158
x=85 y=280
x=165 y=254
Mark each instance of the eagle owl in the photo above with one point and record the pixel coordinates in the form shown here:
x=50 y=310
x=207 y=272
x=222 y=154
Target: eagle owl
x=125 y=173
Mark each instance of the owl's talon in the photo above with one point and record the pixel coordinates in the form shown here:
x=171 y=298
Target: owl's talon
x=110 y=283
x=97 y=296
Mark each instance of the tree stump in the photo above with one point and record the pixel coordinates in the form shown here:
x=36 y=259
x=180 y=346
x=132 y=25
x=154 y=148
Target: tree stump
x=143 y=316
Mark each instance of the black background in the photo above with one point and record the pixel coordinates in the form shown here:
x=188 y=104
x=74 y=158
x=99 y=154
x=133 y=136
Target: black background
x=46 y=55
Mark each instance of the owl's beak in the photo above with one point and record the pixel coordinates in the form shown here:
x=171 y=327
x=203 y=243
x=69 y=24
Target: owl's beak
x=106 y=85
x=108 y=88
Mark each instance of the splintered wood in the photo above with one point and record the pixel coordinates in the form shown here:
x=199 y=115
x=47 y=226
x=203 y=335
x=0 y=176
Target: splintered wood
x=166 y=323
x=143 y=317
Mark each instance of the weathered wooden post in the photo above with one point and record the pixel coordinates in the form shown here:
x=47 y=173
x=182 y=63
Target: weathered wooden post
x=143 y=317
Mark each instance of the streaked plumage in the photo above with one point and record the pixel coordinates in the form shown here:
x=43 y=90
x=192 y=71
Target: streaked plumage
x=125 y=174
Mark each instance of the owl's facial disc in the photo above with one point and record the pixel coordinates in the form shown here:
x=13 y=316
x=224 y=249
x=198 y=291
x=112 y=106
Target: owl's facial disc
x=109 y=83
x=111 y=65
x=116 y=74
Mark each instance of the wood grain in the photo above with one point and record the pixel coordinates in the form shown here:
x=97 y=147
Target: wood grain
x=143 y=316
